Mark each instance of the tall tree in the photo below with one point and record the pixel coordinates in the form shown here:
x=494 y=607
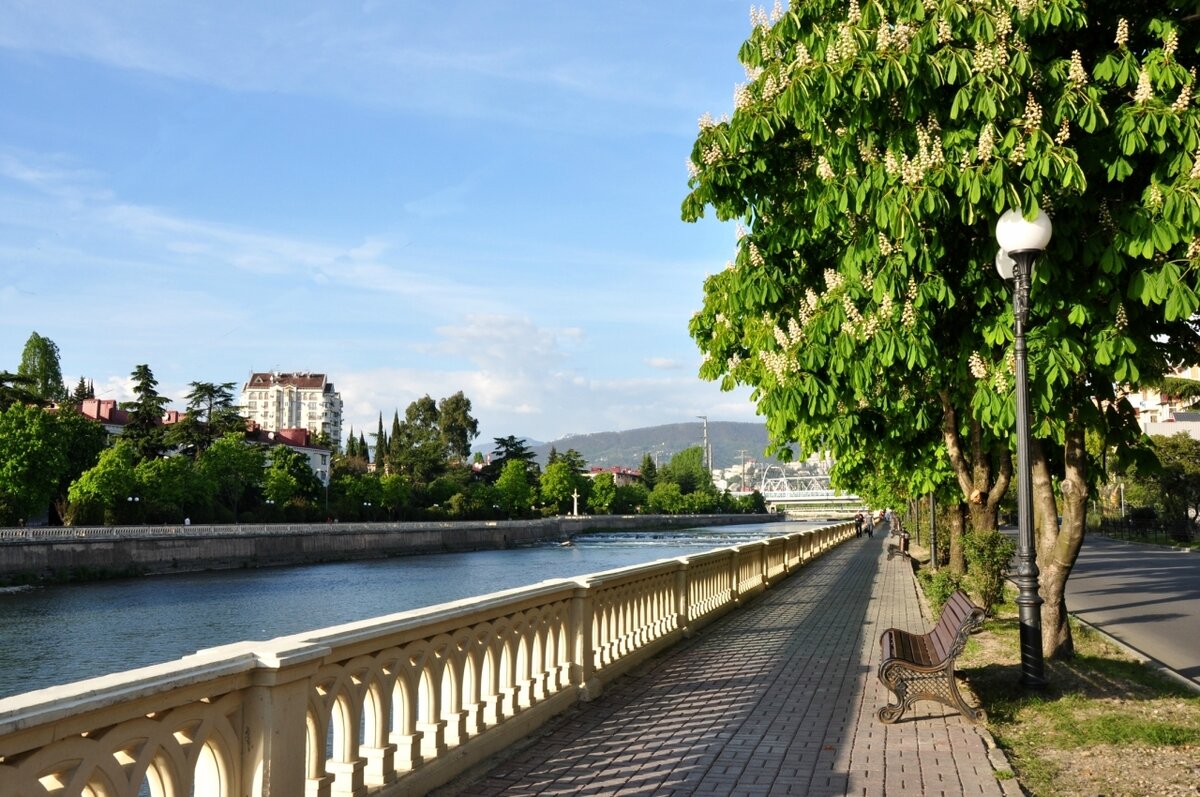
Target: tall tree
x=211 y=414
x=144 y=430
x=16 y=389
x=418 y=449
x=869 y=155
x=83 y=390
x=649 y=472
x=458 y=429
x=108 y=488
x=234 y=467
x=81 y=440
x=508 y=449
x=516 y=494
x=31 y=462
x=39 y=361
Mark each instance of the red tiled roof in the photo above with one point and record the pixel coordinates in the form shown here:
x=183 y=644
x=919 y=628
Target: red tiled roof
x=306 y=381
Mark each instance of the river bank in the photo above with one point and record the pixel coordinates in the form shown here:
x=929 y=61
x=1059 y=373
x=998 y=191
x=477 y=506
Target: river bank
x=74 y=554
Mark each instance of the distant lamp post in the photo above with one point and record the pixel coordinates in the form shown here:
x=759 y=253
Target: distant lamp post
x=134 y=505
x=1021 y=241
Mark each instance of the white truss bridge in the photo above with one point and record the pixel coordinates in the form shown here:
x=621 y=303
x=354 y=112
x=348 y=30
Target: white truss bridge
x=808 y=487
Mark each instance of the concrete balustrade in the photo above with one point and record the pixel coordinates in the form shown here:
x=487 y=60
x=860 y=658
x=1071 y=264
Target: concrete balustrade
x=387 y=706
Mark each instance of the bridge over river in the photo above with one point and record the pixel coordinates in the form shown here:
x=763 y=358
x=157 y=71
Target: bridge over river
x=805 y=493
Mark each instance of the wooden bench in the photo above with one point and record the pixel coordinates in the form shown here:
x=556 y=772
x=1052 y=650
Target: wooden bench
x=921 y=666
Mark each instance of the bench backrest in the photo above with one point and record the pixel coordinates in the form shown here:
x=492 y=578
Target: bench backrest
x=959 y=619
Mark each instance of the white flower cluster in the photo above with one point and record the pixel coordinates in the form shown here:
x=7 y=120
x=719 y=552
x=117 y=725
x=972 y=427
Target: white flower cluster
x=733 y=362
x=885 y=246
x=1033 y=114
x=833 y=280
x=909 y=317
x=911 y=292
x=693 y=169
x=1171 y=42
x=867 y=152
x=753 y=73
x=721 y=318
x=1193 y=251
x=1106 y=219
x=1017 y=155
x=1076 y=75
x=854 y=318
x=890 y=164
x=824 y=170
x=759 y=18
x=1185 y=96
x=930 y=5
x=855 y=13
x=740 y=232
x=987 y=142
x=844 y=47
x=868 y=282
x=1195 y=175
x=1144 y=89
x=771 y=88
x=1122 y=321
x=777 y=12
x=1122 y=32
x=1064 y=132
x=778 y=363
x=711 y=154
x=756 y=258
x=978 y=367
x=893 y=37
x=988 y=58
x=781 y=338
x=1154 y=197
x=944 y=34
x=706 y=121
x=930 y=155
x=741 y=97
x=803 y=56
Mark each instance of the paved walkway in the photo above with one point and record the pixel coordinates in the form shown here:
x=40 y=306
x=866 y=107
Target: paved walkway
x=777 y=698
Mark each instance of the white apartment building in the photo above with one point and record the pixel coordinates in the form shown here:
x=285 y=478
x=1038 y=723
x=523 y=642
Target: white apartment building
x=278 y=401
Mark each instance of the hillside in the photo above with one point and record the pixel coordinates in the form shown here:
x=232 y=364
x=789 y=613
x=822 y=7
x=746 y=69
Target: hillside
x=607 y=449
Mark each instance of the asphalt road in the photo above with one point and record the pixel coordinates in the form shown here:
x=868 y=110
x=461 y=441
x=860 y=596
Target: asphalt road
x=1146 y=596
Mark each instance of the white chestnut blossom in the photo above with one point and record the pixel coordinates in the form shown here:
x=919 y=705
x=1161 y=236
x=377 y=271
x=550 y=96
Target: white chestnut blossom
x=1144 y=89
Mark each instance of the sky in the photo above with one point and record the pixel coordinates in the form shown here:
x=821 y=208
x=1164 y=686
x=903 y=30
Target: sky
x=410 y=197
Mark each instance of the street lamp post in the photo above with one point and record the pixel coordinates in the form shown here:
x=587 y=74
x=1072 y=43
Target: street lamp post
x=1021 y=241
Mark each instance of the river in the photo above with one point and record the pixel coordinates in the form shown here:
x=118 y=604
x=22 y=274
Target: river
x=59 y=634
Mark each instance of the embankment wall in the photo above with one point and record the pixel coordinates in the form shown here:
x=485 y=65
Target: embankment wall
x=65 y=554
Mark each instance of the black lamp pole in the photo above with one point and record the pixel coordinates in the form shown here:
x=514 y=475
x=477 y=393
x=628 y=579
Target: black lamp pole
x=1029 y=602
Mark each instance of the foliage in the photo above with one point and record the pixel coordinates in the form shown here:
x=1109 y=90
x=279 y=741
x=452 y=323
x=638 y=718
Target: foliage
x=79 y=440
x=1173 y=487
x=16 y=389
x=688 y=471
x=649 y=472
x=988 y=554
x=144 y=431
x=234 y=467
x=31 y=462
x=506 y=449
x=39 y=362
x=603 y=494
x=107 y=489
x=211 y=414
x=938 y=585
x=869 y=155
x=514 y=492
x=631 y=498
x=666 y=499
x=456 y=426
x=172 y=488
x=288 y=478
x=558 y=483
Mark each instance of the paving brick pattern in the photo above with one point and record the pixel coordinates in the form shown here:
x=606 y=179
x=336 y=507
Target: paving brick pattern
x=777 y=698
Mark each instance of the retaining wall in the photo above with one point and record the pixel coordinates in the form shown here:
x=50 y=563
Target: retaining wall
x=70 y=553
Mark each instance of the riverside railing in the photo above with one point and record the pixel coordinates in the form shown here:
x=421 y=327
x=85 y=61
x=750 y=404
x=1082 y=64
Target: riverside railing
x=392 y=705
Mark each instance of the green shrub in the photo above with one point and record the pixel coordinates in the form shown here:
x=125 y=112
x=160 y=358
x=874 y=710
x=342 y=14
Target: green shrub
x=988 y=554
x=938 y=586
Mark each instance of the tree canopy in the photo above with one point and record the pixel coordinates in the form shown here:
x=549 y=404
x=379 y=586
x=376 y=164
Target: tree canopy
x=39 y=362
x=868 y=157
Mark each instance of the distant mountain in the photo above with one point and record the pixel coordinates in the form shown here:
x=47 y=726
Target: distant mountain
x=607 y=449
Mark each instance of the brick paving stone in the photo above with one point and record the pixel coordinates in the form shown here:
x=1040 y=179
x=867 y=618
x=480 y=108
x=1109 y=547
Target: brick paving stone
x=776 y=698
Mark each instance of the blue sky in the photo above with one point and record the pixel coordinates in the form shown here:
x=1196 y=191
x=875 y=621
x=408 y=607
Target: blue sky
x=411 y=197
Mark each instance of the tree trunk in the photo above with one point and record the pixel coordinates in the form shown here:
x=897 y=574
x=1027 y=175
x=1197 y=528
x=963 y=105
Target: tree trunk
x=1058 y=545
x=958 y=560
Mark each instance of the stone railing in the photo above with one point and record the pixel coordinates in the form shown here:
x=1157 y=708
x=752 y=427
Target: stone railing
x=387 y=706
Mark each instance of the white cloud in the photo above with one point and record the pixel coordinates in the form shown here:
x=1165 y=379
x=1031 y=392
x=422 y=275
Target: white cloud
x=663 y=363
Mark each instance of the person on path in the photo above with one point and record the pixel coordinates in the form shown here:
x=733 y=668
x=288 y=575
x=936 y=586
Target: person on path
x=858 y=524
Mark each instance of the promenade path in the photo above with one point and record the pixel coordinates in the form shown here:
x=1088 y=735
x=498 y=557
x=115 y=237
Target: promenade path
x=779 y=697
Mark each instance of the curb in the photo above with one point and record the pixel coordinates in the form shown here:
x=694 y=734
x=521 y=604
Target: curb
x=1154 y=664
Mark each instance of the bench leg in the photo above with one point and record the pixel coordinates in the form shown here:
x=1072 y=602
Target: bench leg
x=911 y=685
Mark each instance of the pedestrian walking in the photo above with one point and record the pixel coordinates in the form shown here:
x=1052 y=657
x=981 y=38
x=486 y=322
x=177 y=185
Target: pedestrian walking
x=858 y=523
